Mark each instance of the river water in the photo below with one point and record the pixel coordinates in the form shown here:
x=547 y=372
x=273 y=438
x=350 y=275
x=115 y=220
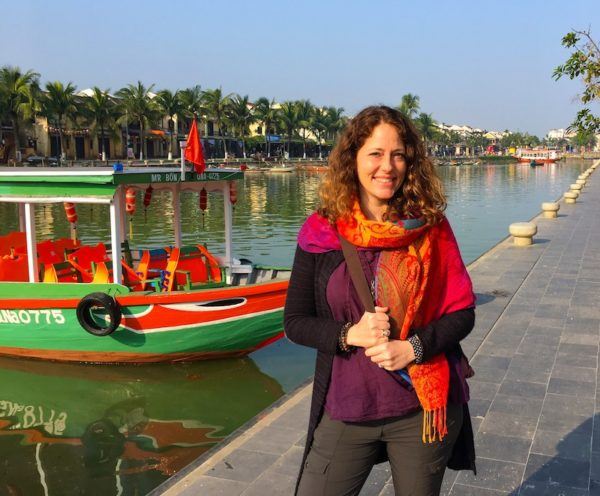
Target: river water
x=122 y=430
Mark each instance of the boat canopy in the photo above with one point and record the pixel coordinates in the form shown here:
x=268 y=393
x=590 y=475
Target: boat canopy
x=30 y=186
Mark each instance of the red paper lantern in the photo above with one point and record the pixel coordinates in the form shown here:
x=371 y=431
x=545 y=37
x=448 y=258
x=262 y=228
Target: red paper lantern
x=71 y=212
x=130 y=201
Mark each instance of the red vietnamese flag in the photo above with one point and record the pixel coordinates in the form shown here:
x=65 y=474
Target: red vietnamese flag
x=193 y=149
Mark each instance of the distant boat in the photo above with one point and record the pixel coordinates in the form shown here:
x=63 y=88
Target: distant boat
x=541 y=156
x=535 y=163
x=283 y=167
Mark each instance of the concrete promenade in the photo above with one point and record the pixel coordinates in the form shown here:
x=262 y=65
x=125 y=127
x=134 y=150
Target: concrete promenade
x=533 y=399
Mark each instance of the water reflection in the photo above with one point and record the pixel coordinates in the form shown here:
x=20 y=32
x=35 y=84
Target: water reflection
x=78 y=429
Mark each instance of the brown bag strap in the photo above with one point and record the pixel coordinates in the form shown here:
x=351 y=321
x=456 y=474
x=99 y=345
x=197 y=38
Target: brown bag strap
x=357 y=274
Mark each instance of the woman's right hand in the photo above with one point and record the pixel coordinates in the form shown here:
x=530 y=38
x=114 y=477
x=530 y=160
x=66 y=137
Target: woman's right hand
x=372 y=329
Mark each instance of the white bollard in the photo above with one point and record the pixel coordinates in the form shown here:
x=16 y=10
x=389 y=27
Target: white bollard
x=570 y=196
x=550 y=210
x=523 y=232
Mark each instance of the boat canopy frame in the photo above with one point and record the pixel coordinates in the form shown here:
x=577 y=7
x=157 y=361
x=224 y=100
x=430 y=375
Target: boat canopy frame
x=30 y=186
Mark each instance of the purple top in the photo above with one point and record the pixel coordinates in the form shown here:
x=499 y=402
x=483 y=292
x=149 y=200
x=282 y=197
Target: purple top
x=360 y=390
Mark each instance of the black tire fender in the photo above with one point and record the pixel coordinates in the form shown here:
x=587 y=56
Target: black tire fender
x=98 y=300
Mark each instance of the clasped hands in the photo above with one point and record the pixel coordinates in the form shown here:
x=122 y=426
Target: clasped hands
x=372 y=332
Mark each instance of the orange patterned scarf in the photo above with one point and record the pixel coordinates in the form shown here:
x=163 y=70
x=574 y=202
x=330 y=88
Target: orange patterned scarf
x=420 y=276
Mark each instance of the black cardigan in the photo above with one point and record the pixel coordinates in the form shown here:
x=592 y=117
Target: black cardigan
x=308 y=321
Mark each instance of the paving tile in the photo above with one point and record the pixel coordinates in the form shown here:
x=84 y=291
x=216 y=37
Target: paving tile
x=276 y=440
x=463 y=490
x=523 y=388
x=388 y=490
x=377 y=480
x=479 y=408
x=493 y=474
x=525 y=407
x=560 y=403
x=572 y=388
x=497 y=447
x=490 y=361
x=580 y=338
x=564 y=423
x=505 y=424
x=580 y=374
x=581 y=349
x=572 y=445
x=289 y=463
x=537 y=488
x=563 y=471
x=527 y=373
x=271 y=483
x=214 y=487
x=489 y=374
x=482 y=390
x=243 y=465
x=576 y=360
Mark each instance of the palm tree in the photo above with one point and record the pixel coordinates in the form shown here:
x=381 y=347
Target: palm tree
x=101 y=112
x=240 y=115
x=289 y=120
x=59 y=105
x=335 y=122
x=170 y=104
x=216 y=108
x=409 y=105
x=138 y=106
x=18 y=91
x=426 y=126
x=266 y=113
x=319 y=127
x=305 y=111
x=191 y=100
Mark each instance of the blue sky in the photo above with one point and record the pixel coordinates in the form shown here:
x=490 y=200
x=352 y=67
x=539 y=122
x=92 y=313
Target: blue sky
x=487 y=63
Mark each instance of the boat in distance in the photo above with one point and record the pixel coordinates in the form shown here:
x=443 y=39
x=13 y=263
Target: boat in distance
x=67 y=301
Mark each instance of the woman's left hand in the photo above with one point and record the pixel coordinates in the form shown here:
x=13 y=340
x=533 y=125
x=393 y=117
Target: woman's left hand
x=393 y=355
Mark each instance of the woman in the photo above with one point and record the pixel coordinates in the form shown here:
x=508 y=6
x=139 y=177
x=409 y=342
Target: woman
x=390 y=383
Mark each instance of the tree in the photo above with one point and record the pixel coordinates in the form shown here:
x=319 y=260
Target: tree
x=215 y=105
x=17 y=92
x=59 y=105
x=584 y=63
x=319 y=127
x=191 y=103
x=335 y=122
x=305 y=111
x=409 y=105
x=266 y=113
x=101 y=112
x=240 y=115
x=288 y=117
x=426 y=126
x=585 y=139
x=136 y=105
x=170 y=104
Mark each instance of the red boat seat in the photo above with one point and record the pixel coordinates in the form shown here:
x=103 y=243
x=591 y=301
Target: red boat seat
x=83 y=258
x=13 y=268
x=15 y=240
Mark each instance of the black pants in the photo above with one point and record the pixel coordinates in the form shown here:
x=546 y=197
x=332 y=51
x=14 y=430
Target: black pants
x=343 y=454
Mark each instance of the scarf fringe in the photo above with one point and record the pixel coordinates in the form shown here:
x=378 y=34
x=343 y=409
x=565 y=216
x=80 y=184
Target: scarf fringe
x=434 y=424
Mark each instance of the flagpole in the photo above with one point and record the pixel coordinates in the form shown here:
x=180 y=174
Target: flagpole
x=182 y=145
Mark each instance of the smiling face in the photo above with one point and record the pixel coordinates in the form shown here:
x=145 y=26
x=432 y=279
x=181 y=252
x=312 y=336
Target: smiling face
x=381 y=167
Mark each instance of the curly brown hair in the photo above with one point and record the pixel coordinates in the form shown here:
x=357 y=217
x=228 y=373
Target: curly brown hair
x=421 y=194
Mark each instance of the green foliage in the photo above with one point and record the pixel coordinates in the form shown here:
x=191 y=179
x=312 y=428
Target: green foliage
x=583 y=64
x=409 y=105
